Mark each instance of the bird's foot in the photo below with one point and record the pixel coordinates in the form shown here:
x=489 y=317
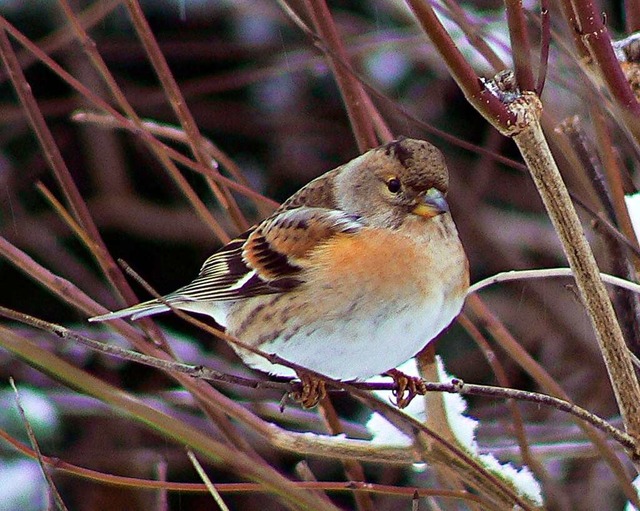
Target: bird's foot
x=312 y=390
x=407 y=387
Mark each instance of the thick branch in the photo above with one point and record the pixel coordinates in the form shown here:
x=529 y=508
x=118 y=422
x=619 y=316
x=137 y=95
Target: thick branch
x=536 y=153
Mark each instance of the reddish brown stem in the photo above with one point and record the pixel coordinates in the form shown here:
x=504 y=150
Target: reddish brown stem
x=596 y=37
x=632 y=15
x=472 y=32
x=464 y=75
x=520 y=45
x=587 y=22
x=545 y=41
x=178 y=104
x=352 y=91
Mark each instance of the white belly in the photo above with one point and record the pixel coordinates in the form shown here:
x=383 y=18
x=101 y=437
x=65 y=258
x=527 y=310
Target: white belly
x=357 y=348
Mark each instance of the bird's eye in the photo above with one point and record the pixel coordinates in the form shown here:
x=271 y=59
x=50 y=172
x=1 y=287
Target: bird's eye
x=393 y=185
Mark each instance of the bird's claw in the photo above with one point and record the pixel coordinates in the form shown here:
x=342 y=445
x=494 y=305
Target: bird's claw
x=407 y=387
x=311 y=391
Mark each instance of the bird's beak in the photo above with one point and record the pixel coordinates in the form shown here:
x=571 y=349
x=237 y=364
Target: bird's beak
x=433 y=203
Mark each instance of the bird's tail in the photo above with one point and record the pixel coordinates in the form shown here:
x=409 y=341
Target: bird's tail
x=135 y=312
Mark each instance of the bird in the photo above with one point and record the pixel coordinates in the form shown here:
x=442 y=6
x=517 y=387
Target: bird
x=350 y=277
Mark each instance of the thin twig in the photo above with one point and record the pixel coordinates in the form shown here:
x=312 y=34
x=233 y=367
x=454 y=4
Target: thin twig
x=60 y=169
x=540 y=375
x=207 y=482
x=507 y=276
x=176 y=99
x=57 y=498
x=351 y=90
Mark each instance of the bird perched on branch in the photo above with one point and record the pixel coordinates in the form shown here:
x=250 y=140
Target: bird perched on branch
x=353 y=275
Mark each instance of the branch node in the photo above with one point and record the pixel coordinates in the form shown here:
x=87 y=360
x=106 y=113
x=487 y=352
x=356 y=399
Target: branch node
x=524 y=106
x=457 y=384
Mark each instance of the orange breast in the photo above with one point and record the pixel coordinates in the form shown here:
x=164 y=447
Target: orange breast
x=379 y=260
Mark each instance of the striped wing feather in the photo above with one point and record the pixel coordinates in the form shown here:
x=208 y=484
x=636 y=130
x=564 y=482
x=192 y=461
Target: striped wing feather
x=265 y=260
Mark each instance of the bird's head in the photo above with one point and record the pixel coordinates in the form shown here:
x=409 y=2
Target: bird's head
x=390 y=183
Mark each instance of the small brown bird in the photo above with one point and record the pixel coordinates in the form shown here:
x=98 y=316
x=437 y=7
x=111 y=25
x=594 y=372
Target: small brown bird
x=353 y=275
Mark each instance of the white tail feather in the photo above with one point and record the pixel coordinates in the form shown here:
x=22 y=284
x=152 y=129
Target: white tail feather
x=136 y=312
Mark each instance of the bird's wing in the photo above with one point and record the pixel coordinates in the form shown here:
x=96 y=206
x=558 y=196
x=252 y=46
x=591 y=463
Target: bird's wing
x=264 y=260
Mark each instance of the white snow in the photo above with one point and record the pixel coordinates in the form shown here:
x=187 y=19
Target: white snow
x=462 y=426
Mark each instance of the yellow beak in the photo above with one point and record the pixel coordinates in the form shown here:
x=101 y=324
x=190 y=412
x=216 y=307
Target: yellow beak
x=433 y=204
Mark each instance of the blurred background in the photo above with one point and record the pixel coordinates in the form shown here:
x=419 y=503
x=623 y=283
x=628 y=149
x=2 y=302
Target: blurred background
x=260 y=90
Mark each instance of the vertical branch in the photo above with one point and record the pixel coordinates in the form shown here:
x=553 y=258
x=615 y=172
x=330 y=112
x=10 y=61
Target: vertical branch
x=520 y=45
x=355 y=98
x=536 y=153
x=545 y=43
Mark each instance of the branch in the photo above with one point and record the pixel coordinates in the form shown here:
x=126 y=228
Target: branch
x=544 y=171
x=456 y=386
x=507 y=276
